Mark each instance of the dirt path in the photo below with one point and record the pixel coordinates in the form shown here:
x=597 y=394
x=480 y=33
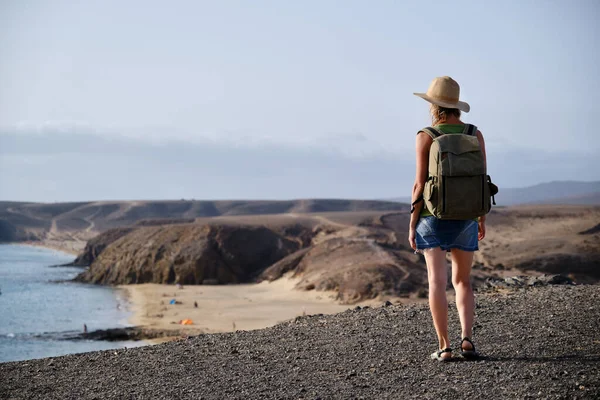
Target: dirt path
x=53 y=227
x=89 y=220
x=124 y=208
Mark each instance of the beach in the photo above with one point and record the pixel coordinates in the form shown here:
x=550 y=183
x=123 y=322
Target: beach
x=70 y=246
x=226 y=308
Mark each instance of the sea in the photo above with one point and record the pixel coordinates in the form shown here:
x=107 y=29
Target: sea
x=39 y=306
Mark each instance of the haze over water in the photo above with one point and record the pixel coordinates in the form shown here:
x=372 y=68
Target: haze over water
x=33 y=302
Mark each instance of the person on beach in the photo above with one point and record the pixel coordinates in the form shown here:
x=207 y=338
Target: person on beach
x=456 y=233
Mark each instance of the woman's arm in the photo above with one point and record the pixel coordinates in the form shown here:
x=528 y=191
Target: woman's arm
x=422 y=151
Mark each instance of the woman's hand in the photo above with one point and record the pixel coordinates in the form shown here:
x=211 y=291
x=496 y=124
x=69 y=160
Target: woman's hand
x=481 y=229
x=411 y=238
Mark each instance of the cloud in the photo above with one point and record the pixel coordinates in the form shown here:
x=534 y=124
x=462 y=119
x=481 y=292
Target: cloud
x=50 y=126
x=68 y=166
x=95 y=167
x=69 y=134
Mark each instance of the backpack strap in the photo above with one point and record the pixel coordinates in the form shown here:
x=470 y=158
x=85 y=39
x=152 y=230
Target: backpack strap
x=417 y=201
x=470 y=130
x=432 y=132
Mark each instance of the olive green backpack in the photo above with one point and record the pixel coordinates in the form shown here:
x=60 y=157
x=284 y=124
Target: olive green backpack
x=458 y=186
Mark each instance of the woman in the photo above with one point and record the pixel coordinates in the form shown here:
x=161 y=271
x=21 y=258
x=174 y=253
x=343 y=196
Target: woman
x=434 y=237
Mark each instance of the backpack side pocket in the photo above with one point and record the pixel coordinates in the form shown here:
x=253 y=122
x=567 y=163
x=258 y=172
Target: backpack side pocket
x=430 y=196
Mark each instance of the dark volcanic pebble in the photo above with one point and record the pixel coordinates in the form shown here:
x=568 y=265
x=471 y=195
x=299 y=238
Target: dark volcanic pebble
x=538 y=343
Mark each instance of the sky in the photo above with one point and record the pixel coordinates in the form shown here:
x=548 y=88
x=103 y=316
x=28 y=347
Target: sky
x=111 y=100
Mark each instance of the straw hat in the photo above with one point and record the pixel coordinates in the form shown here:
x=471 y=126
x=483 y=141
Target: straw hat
x=444 y=91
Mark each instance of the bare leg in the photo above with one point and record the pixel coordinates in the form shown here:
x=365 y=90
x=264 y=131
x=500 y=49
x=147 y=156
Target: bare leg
x=437 y=272
x=465 y=301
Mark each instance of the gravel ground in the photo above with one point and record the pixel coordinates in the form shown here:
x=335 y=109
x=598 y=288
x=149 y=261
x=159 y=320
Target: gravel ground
x=538 y=343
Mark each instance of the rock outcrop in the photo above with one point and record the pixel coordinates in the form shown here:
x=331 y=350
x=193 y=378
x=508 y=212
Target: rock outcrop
x=358 y=264
x=189 y=254
x=95 y=246
x=8 y=232
x=119 y=334
x=513 y=282
x=593 y=230
x=582 y=267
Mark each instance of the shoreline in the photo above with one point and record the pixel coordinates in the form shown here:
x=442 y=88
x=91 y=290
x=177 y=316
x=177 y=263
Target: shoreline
x=221 y=308
x=123 y=296
x=70 y=250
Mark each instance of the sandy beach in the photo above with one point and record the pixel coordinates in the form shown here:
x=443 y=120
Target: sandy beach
x=226 y=308
x=73 y=247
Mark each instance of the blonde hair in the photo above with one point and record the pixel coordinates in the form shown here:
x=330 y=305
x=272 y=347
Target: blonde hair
x=440 y=114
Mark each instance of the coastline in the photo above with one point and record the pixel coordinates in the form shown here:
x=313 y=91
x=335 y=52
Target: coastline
x=226 y=308
x=69 y=247
x=221 y=308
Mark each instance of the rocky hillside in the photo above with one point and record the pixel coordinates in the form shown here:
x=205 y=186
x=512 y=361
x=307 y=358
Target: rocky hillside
x=358 y=257
x=544 y=239
x=188 y=254
x=95 y=246
x=359 y=262
x=536 y=343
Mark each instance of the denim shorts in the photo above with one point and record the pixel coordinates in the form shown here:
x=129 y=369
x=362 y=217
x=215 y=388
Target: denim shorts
x=447 y=234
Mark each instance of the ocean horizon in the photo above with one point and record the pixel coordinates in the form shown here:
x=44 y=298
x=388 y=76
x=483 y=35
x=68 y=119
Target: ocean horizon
x=39 y=304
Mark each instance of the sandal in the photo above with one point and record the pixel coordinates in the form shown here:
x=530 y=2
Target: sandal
x=468 y=354
x=437 y=355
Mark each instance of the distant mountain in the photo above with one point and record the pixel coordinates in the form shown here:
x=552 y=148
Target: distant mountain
x=585 y=199
x=557 y=192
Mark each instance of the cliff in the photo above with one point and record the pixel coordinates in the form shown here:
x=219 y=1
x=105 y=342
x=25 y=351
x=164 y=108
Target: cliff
x=96 y=245
x=11 y=233
x=188 y=254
